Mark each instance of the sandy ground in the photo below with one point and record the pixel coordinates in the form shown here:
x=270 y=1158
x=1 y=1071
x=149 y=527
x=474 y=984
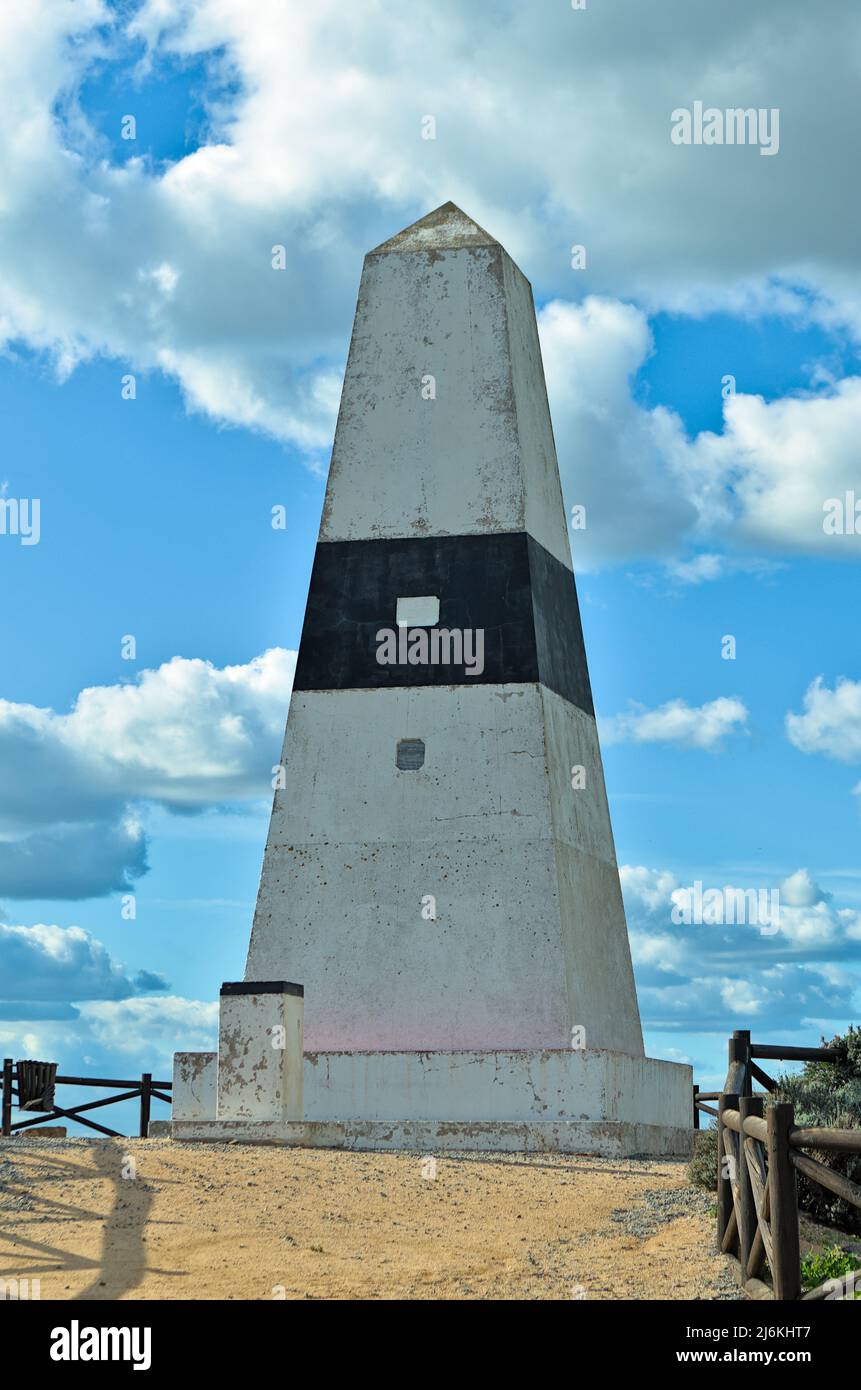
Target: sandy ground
x=110 y=1219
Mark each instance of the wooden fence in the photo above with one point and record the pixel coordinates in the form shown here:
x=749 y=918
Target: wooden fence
x=145 y=1089
x=758 y=1156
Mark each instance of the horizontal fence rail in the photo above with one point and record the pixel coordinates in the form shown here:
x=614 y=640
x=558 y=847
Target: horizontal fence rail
x=759 y=1153
x=143 y=1088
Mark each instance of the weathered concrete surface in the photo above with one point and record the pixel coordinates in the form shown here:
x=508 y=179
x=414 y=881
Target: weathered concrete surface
x=529 y=937
x=607 y=1138
x=473 y=903
x=195 y=1077
x=444 y=299
x=503 y=1086
x=260 y=1070
x=573 y=1101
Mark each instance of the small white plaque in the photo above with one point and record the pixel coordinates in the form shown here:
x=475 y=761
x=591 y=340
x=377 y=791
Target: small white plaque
x=418 y=612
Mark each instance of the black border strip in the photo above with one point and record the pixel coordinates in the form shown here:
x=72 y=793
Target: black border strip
x=262 y=987
x=520 y=596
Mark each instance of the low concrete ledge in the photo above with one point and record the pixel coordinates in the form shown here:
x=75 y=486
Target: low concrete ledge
x=195 y=1077
x=511 y=1087
x=561 y=1101
x=606 y=1138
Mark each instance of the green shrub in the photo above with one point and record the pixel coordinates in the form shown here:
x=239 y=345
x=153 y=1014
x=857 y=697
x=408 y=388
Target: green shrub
x=829 y=1093
x=828 y=1264
x=702 y=1169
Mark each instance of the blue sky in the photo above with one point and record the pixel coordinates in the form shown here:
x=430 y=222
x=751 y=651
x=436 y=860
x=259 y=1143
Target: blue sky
x=152 y=257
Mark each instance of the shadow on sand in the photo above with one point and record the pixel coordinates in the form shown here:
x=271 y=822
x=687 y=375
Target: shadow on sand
x=122 y=1261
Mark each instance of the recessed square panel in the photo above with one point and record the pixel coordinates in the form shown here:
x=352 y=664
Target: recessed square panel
x=410 y=754
x=422 y=611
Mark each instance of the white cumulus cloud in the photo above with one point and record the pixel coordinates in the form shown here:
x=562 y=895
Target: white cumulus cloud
x=44 y=968
x=712 y=977
x=311 y=139
x=117 y=1037
x=187 y=735
x=831 y=721
x=689 y=726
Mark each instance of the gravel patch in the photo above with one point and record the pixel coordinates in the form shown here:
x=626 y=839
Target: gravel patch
x=658 y=1206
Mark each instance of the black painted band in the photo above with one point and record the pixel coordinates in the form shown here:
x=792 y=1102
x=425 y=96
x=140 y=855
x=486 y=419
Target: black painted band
x=519 y=595
x=263 y=987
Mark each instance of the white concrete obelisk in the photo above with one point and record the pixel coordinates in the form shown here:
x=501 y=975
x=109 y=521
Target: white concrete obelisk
x=469 y=898
x=439 y=893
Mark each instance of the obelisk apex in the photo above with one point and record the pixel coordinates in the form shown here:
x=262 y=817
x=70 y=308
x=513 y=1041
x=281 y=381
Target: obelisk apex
x=447 y=228
x=444 y=427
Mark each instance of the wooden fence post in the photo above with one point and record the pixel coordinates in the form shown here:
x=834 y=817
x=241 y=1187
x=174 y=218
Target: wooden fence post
x=696 y=1108
x=786 y=1268
x=747 y=1223
x=146 y=1096
x=724 y=1183
x=7 y=1096
x=739 y=1053
x=758 y=1250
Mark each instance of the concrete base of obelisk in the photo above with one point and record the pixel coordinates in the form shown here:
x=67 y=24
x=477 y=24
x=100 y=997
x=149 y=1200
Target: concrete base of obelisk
x=560 y=1101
